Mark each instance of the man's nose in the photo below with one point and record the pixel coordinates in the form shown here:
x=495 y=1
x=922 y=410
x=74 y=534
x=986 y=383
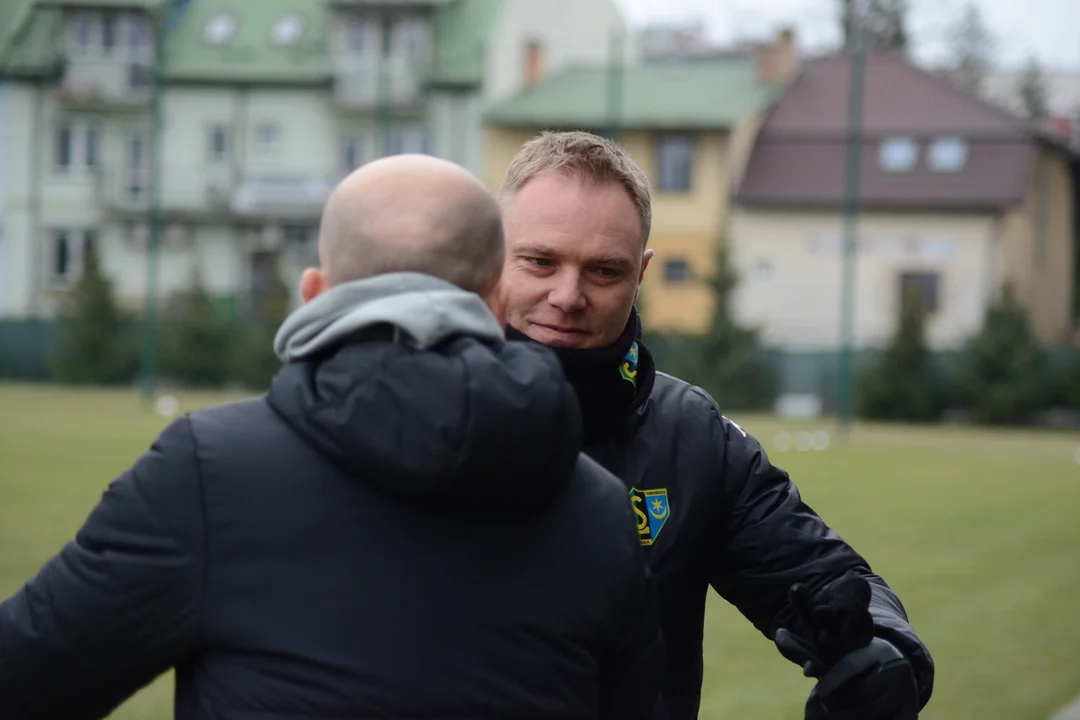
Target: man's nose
x=567 y=295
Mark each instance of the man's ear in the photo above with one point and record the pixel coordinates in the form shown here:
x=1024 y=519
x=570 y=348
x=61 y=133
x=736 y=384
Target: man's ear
x=496 y=301
x=645 y=258
x=312 y=284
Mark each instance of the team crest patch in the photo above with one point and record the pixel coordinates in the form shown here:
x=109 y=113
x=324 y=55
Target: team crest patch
x=651 y=509
x=628 y=369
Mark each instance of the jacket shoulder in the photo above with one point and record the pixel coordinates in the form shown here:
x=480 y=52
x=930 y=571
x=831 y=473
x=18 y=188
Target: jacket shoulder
x=676 y=399
x=231 y=422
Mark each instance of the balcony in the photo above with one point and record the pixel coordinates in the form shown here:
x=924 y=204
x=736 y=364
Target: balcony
x=194 y=191
x=280 y=196
x=106 y=82
x=357 y=85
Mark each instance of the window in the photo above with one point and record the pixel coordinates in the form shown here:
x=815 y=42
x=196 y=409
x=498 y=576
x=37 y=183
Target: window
x=898 y=154
x=407 y=140
x=69 y=251
x=412 y=37
x=84 y=31
x=218 y=150
x=356 y=35
x=924 y=286
x=63 y=147
x=138 y=32
x=676 y=272
x=92 y=146
x=266 y=138
x=61 y=260
x=287 y=30
x=137 y=150
x=89 y=244
x=139 y=76
x=220 y=30
x=108 y=31
x=137 y=179
x=674 y=162
x=948 y=154
x=351 y=154
x=78 y=145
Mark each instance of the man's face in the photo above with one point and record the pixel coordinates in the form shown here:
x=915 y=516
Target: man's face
x=574 y=261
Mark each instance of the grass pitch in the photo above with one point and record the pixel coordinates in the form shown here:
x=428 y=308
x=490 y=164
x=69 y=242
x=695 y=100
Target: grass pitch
x=978 y=532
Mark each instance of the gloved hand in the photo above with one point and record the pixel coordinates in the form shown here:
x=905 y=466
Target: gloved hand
x=860 y=677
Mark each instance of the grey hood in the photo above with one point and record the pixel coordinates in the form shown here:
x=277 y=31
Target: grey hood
x=424 y=310
x=447 y=413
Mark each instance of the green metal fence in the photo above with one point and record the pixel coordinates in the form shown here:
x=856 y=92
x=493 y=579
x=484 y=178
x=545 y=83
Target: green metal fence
x=26 y=347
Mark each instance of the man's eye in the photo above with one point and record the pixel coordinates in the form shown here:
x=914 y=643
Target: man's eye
x=607 y=272
x=540 y=262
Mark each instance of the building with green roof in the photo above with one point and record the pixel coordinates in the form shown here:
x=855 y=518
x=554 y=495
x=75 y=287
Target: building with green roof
x=266 y=105
x=688 y=124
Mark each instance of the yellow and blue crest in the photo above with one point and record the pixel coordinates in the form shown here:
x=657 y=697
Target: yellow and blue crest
x=628 y=368
x=652 y=510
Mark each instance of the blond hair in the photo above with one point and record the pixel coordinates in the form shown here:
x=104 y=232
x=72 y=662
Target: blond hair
x=587 y=157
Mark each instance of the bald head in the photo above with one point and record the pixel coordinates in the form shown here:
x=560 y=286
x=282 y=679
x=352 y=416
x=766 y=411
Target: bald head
x=412 y=213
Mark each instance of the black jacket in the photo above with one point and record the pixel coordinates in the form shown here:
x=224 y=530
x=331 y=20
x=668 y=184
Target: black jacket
x=714 y=511
x=391 y=533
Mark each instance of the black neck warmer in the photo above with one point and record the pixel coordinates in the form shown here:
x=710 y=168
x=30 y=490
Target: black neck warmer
x=606 y=379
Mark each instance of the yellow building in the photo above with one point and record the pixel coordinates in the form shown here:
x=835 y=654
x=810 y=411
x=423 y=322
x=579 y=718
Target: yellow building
x=690 y=126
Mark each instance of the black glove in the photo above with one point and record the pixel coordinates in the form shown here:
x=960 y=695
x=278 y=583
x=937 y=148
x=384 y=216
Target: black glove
x=860 y=677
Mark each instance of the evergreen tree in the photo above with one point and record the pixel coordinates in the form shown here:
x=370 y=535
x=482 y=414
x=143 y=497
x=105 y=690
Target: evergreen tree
x=731 y=364
x=903 y=384
x=196 y=339
x=1002 y=378
x=96 y=342
x=882 y=24
x=1033 y=91
x=255 y=361
x=972 y=50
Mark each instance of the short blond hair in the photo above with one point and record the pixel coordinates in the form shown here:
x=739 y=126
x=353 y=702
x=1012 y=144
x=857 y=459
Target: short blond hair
x=585 y=156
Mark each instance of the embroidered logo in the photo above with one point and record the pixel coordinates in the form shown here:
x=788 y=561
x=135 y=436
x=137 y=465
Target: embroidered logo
x=652 y=511
x=628 y=369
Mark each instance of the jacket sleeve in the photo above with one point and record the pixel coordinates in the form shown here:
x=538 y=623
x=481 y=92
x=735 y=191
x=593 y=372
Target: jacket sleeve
x=633 y=664
x=119 y=605
x=771 y=539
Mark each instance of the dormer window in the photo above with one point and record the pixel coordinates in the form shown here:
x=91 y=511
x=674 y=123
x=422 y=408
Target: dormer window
x=287 y=30
x=220 y=30
x=948 y=154
x=898 y=154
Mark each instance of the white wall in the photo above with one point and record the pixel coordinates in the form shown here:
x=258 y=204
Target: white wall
x=456 y=128
x=18 y=272
x=571 y=31
x=790 y=268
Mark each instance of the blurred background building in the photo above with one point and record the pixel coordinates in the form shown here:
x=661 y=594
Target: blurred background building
x=967 y=176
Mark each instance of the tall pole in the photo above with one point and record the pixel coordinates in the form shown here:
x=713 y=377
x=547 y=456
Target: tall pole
x=615 y=85
x=163 y=24
x=153 y=255
x=846 y=366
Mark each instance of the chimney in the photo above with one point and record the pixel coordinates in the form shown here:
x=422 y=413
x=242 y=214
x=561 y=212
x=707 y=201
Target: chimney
x=535 y=67
x=779 y=60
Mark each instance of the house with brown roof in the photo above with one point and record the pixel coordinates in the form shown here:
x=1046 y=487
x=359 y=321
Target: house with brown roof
x=956 y=198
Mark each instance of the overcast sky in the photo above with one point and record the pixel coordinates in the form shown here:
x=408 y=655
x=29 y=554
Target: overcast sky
x=1048 y=28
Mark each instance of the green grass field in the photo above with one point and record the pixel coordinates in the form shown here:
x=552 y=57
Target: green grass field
x=978 y=531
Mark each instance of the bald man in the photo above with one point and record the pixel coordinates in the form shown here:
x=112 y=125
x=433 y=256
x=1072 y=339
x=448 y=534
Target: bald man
x=402 y=527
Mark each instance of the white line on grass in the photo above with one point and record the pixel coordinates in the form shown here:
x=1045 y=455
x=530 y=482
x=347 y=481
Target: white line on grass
x=1069 y=712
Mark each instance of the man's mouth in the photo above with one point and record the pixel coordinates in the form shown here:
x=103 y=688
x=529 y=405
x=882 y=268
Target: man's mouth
x=561 y=329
